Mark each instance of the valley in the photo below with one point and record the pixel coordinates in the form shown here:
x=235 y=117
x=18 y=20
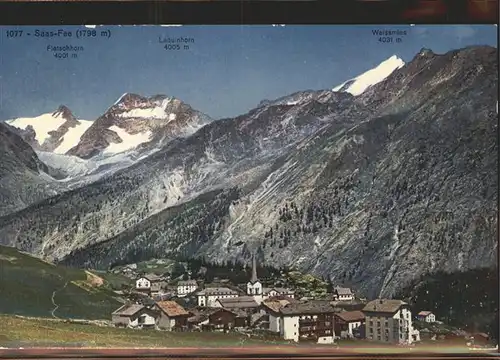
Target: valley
x=369 y=184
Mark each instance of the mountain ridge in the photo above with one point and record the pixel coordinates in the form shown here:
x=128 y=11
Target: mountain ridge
x=135 y=122
x=356 y=86
x=356 y=188
x=24 y=178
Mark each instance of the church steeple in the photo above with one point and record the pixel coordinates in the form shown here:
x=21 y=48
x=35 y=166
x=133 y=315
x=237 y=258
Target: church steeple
x=254 y=278
x=254 y=287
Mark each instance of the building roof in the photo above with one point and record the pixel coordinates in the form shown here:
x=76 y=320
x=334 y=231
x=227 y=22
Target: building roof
x=283 y=297
x=275 y=305
x=187 y=283
x=349 y=305
x=282 y=290
x=217 y=291
x=279 y=290
x=239 y=302
x=482 y=335
x=240 y=313
x=200 y=316
x=342 y=291
x=424 y=313
x=197 y=318
x=129 y=310
x=151 y=277
x=171 y=308
x=351 y=316
x=235 y=312
x=384 y=306
x=308 y=307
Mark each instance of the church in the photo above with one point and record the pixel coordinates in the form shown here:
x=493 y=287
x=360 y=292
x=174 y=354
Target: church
x=260 y=293
x=254 y=286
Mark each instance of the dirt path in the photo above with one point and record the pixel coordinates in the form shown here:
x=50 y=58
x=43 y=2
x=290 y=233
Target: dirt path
x=56 y=306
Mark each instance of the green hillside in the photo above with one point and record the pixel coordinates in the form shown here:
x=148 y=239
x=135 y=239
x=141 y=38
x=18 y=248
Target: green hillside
x=32 y=287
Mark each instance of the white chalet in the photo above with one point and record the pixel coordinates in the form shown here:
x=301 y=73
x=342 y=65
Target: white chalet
x=208 y=297
x=308 y=321
x=278 y=291
x=143 y=284
x=389 y=321
x=348 y=322
x=134 y=316
x=186 y=287
x=342 y=294
x=150 y=283
x=300 y=320
x=272 y=307
x=426 y=316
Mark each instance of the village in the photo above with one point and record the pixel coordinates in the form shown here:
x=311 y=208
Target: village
x=159 y=303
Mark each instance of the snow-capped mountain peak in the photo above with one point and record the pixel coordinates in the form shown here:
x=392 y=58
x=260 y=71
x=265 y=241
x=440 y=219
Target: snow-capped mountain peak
x=137 y=106
x=42 y=125
x=138 y=122
x=359 y=84
x=129 y=100
x=56 y=132
x=64 y=112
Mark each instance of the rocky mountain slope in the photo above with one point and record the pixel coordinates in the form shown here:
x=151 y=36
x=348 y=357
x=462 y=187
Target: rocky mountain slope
x=371 y=190
x=136 y=121
x=24 y=178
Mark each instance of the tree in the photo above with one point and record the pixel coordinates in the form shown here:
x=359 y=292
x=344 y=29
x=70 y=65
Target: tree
x=178 y=270
x=329 y=286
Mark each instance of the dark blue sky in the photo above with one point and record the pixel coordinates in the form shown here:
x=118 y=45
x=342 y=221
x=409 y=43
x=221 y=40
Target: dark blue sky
x=227 y=71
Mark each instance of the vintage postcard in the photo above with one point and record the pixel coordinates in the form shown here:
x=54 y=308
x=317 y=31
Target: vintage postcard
x=300 y=188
